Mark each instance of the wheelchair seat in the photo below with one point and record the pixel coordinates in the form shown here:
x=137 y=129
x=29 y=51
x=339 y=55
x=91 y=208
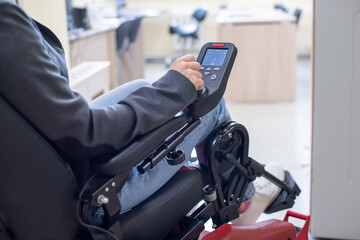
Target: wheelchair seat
x=39 y=193
x=153 y=218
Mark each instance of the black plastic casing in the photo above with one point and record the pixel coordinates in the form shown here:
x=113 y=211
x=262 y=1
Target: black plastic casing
x=214 y=88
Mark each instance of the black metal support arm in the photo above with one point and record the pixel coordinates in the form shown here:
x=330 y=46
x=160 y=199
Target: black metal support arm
x=227 y=155
x=105 y=193
x=168 y=146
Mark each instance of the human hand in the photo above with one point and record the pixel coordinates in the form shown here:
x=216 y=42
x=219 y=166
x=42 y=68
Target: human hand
x=188 y=67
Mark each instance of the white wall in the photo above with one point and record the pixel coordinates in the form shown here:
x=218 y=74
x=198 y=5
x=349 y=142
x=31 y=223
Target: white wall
x=335 y=194
x=51 y=13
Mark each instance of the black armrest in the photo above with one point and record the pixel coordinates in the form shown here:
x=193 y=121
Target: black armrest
x=140 y=148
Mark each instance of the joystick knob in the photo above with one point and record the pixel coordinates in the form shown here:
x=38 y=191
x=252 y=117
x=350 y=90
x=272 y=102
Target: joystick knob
x=203 y=92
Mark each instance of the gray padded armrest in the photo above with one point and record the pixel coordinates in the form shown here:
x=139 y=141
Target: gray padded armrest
x=139 y=148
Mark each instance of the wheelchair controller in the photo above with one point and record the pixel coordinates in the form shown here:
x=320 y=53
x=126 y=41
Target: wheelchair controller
x=216 y=61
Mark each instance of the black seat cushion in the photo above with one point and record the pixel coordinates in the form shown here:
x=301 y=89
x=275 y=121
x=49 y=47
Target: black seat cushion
x=162 y=211
x=38 y=191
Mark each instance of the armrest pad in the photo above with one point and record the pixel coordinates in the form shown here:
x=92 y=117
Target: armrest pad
x=140 y=148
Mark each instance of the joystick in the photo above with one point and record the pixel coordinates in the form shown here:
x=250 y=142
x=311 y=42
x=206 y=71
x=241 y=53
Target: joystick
x=216 y=61
x=202 y=93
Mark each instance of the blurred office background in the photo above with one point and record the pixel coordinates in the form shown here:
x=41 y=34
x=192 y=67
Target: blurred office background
x=175 y=11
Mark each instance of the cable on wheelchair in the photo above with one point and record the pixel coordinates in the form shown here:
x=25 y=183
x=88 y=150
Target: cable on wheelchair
x=94 y=230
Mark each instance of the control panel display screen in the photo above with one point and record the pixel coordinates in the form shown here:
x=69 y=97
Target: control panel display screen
x=214 y=57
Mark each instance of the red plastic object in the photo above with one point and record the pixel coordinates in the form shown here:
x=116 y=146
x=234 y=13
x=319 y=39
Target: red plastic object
x=303 y=234
x=266 y=230
x=187 y=168
x=218 y=44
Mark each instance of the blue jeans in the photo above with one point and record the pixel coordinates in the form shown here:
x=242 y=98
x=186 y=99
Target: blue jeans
x=139 y=187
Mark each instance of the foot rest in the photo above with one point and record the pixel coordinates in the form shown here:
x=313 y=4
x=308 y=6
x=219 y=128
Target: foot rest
x=266 y=230
x=285 y=199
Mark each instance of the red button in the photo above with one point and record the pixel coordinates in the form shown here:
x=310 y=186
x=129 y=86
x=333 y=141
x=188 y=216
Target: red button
x=218 y=44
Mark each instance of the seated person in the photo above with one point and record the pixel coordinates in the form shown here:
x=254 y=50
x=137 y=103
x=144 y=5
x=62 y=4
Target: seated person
x=34 y=79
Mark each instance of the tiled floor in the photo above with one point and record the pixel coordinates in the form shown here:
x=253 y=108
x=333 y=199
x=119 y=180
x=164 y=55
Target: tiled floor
x=279 y=131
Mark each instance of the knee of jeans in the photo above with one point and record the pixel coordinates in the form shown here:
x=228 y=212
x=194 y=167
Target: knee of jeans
x=141 y=81
x=222 y=113
x=249 y=193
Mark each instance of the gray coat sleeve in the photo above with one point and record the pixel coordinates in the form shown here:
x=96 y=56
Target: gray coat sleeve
x=30 y=80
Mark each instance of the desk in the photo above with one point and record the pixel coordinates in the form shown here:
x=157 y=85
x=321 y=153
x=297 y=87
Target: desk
x=91 y=79
x=94 y=45
x=264 y=69
x=100 y=45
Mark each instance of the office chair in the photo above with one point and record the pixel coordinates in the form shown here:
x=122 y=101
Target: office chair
x=189 y=30
x=281 y=7
x=297 y=12
x=126 y=35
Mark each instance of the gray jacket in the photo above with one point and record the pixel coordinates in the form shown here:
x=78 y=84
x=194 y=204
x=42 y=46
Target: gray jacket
x=34 y=80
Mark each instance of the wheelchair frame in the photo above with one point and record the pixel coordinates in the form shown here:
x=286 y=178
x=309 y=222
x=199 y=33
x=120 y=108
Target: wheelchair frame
x=224 y=146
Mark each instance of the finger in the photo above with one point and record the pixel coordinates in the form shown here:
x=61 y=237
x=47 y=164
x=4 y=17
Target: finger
x=198 y=82
x=198 y=74
x=193 y=73
x=194 y=65
x=188 y=58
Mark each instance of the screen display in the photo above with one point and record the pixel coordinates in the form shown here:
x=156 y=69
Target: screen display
x=214 y=57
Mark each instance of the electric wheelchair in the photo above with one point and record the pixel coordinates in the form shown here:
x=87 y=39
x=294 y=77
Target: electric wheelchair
x=40 y=198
